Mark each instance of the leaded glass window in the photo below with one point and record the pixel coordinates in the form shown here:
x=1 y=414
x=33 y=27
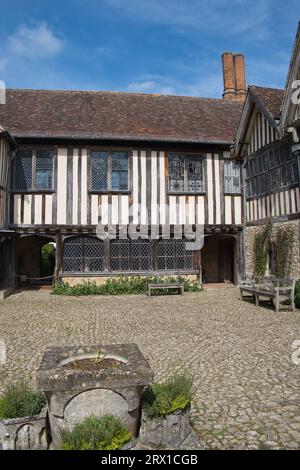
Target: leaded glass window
x=232 y=177
x=119 y=255
x=83 y=254
x=119 y=178
x=23 y=175
x=44 y=169
x=271 y=169
x=172 y=255
x=140 y=255
x=176 y=173
x=34 y=170
x=99 y=171
x=186 y=173
x=109 y=171
x=130 y=255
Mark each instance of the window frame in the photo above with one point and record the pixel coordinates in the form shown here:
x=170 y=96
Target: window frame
x=84 y=259
x=233 y=193
x=131 y=257
x=256 y=187
x=187 y=157
x=33 y=188
x=180 y=262
x=109 y=189
x=175 y=258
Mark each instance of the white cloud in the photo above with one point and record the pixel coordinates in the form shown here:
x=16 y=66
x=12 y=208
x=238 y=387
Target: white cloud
x=199 y=85
x=235 y=16
x=140 y=87
x=37 y=42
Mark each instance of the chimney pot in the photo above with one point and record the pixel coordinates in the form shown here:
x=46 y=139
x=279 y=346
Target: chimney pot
x=228 y=75
x=234 y=76
x=240 y=81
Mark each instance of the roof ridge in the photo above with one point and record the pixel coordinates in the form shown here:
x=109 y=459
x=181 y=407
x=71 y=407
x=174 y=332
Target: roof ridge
x=129 y=93
x=266 y=87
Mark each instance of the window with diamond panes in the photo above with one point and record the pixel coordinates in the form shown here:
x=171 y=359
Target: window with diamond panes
x=172 y=255
x=119 y=255
x=34 y=170
x=195 y=175
x=23 y=174
x=130 y=255
x=119 y=177
x=99 y=171
x=44 y=170
x=176 y=173
x=83 y=254
x=232 y=177
x=271 y=169
x=109 y=171
x=186 y=173
x=140 y=255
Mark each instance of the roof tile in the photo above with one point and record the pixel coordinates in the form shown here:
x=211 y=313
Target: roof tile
x=100 y=115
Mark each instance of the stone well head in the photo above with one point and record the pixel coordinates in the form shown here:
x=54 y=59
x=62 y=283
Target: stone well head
x=74 y=392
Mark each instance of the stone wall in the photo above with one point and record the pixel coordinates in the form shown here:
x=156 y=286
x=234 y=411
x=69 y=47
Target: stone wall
x=73 y=281
x=252 y=231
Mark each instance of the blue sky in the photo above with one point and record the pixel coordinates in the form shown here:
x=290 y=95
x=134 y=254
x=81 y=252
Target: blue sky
x=151 y=46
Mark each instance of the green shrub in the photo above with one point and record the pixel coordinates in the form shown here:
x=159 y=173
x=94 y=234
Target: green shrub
x=162 y=399
x=19 y=401
x=260 y=254
x=283 y=243
x=118 y=286
x=297 y=294
x=105 y=433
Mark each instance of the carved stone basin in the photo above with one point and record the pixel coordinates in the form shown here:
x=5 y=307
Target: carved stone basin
x=93 y=380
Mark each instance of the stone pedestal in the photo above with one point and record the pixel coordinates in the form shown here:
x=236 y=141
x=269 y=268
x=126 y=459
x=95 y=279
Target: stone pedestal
x=29 y=433
x=74 y=394
x=169 y=432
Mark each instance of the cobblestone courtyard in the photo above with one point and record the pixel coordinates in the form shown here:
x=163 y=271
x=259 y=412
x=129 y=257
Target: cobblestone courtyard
x=247 y=390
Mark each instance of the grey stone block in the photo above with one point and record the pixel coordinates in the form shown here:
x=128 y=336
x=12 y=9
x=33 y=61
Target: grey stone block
x=168 y=432
x=74 y=394
x=4 y=293
x=29 y=433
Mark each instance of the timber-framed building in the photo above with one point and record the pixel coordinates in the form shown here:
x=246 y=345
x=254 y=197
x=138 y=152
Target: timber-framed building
x=69 y=159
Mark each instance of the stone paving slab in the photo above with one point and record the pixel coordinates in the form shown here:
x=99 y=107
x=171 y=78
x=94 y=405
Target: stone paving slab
x=247 y=393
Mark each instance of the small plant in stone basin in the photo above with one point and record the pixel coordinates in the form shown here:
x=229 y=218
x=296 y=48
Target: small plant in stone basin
x=105 y=433
x=19 y=401
x=297 y=294
x=162 y=399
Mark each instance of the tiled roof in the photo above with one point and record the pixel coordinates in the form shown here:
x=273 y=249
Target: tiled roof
x=270 y=98
x=109 y=115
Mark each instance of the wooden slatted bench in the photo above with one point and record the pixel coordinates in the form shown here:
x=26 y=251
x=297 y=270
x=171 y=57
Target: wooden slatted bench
x=165 y=285
x=281 y=292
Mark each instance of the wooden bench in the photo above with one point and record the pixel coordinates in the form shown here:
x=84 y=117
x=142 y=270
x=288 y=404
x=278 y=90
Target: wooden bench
x=280 y=292
x=166 y=285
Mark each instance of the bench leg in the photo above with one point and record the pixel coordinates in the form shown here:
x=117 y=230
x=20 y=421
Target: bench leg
x=256 y=300
x=277 y=303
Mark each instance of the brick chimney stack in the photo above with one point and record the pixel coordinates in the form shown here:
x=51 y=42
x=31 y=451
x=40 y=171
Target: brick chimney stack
x=234 y=76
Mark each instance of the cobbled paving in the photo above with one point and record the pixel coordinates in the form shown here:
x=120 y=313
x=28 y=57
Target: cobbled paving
x=247 y=388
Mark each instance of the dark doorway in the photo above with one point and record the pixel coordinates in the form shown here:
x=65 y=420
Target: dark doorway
x=35 y=261
x=217 y=257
